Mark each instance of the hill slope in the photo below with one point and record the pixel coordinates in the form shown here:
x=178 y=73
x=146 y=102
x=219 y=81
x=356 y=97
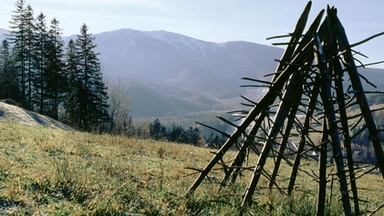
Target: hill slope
x=55 y=172
x=14 y=114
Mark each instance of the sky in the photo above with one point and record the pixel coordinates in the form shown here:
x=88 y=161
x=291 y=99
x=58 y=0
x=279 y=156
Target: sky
x=210 y=20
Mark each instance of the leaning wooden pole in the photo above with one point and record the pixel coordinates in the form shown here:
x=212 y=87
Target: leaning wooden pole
x=320 y=60
x=306 y=39
x=338 y=74
x=240 y=156
x=345 y=129
x=308 y=80
x=304 y=132
x=296 y=88
x=289 y=52
x=321 y=193
x=266 y=101
x=360 y=94
x=278 y=122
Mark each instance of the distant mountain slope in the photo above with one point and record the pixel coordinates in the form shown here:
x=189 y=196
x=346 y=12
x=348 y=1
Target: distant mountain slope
x=166 y=74
x=200 y=75
x=179 y=74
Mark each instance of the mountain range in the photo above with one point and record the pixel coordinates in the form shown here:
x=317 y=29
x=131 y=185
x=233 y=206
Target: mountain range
x=167 y=74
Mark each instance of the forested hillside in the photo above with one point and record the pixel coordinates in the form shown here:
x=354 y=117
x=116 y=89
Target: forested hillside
x=40 y=74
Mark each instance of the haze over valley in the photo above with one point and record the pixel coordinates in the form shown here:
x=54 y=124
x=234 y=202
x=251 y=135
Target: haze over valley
x=166 y=74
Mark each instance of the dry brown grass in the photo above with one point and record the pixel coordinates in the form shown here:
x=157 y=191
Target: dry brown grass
x=58 y=172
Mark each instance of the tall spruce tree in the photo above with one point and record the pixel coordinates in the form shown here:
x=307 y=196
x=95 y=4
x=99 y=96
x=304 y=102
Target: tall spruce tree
x=8 y=79
x=71 y=102
x=22 y=39
x=44 y=80
x=17 y=38
x=41 y=58
x=30 y=57
x=56 y=79
x=91 y=94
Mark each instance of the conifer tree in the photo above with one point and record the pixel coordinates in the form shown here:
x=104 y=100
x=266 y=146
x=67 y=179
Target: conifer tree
x=157 y=131
x=91 y=94
x=22 y=40
x=71 y=102
x=40 y=63
x=44 y=80
x=30 y=58
x=18 y=39
x=56 y=79
x=8 y=82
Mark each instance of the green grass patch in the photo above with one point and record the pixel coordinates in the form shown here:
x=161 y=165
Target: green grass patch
x=56 y=172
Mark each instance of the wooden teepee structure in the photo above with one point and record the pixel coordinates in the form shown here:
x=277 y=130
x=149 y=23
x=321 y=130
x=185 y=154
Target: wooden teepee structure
x=313 y=87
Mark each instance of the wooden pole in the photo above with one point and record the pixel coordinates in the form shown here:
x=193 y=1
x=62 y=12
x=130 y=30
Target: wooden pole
x=263 y=105
x=347 y=138
x=278 y=121
x=295 y=97
x=304 y=132
x=320 y=60
x=359 y=93
x=321 y=193
x=240 y=156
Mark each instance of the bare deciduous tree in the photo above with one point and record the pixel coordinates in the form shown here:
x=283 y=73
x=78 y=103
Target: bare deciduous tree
x=121 y=121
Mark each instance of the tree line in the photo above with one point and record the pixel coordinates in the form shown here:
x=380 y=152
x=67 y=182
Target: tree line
x=176 y=133
x=42 y=73
x=38 y=72
x=361 y=144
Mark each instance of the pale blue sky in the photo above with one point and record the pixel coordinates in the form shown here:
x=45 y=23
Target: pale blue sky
x=210 y=20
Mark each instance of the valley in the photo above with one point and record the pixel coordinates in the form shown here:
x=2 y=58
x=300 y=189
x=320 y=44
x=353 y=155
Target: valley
x=165 y=74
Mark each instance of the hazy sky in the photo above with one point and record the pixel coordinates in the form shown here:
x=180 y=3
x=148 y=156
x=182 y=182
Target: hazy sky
x=210 y=20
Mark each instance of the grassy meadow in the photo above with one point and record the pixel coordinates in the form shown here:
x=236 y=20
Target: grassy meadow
x=54 y=172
